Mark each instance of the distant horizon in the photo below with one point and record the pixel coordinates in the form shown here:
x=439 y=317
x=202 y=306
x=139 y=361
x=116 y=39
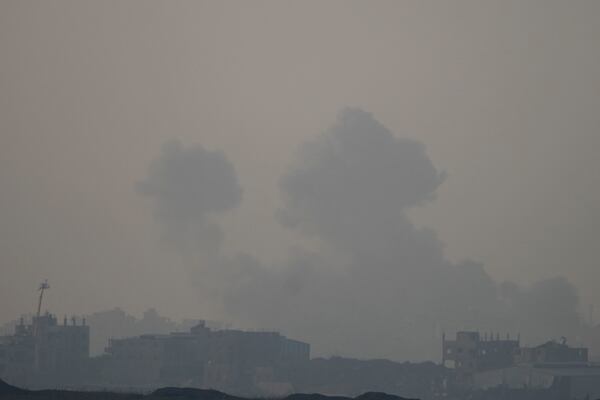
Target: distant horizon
x=185 y=324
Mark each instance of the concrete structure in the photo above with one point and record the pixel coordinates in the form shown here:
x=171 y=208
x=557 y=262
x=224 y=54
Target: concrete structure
x=492 y=363
x=470 y=352
x=575 y=381
x=232 y=360
x=551 y=352
x=45 y=351
x=148 y=359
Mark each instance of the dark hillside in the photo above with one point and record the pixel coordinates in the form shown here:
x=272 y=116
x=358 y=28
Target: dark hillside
x=9 y=392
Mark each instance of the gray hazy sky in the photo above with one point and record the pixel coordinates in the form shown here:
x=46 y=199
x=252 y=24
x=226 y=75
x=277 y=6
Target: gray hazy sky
x=504 y=94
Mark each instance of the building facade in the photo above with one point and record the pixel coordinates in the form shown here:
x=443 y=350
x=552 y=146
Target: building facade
x=45 y=351
x=489 y=363
x=551 y=352
x=471 y=352
x=232 y=360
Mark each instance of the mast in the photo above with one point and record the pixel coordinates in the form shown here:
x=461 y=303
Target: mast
x=36 y=350
x=43 y=286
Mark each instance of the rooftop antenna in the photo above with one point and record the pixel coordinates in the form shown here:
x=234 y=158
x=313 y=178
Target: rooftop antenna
x=43 y=286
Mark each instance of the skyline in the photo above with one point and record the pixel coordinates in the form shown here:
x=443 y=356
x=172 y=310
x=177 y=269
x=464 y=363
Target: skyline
x=503 y=97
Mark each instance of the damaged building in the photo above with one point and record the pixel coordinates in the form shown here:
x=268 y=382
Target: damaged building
x=489 y=362
x=471 y=352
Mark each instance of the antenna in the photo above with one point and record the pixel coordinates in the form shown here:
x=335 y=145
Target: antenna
x=36 y=361
x=43 y=286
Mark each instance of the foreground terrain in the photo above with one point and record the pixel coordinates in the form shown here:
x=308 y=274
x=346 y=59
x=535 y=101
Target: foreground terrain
x=11 y=392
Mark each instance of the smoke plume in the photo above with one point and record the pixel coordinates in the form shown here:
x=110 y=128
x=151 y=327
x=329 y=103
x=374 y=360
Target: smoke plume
x=190 y=186
x=383 y=287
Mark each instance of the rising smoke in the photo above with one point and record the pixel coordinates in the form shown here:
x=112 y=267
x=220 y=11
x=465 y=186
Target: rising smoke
x=383 y=288
x=190 y=186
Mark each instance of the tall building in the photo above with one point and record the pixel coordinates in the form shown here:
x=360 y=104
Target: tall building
x=45 y=351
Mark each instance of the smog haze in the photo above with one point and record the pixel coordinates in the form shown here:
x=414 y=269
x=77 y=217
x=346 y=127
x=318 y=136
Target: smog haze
x=362 y=176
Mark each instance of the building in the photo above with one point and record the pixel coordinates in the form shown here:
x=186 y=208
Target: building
x=148 y=359
x=470 y=352
x=17 y=354
x=551 y=352
x=233 y=360
x=570 y=381
x=490 y=363
x=45 y=351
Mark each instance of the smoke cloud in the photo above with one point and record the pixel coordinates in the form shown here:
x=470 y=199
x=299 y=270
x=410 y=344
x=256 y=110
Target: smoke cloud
x=379 y=286
x=545 y=310
x=351 y=188
x=352 y=185
x=190 y=186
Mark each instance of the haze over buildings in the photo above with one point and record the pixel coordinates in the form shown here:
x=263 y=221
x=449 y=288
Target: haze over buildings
x=320 y=168
x=41 y=353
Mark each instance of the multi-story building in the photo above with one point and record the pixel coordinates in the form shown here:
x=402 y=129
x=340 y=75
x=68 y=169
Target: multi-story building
x=470 y=352
x=148 y=359
x=233 y=360
x=45 y=351
x=489 y=361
